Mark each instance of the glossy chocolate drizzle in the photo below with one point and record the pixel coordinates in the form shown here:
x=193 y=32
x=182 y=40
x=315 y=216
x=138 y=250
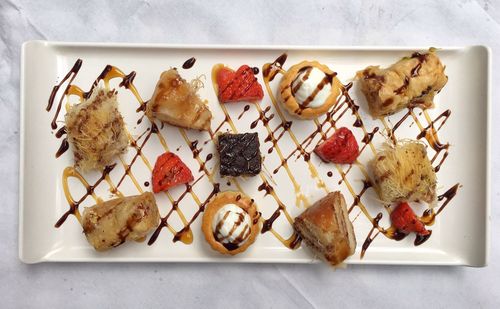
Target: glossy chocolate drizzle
x=302 y=149
x=188 y=64
x=430 y=133
x=292 y=241
x=345 y=104
x=111 y=72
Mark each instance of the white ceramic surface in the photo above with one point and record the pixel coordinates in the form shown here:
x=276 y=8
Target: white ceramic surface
x=460 y=234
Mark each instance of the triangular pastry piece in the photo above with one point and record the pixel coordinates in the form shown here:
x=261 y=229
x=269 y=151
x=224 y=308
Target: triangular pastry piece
x=176 y=102
x=326 y=229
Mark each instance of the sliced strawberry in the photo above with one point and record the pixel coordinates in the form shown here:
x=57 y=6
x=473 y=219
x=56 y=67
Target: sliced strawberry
x=241 y=85
x=170 y=171
x=340 y=148
x=405 y=220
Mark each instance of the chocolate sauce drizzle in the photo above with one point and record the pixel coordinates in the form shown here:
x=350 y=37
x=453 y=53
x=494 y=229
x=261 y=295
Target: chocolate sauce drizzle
x=428 y=132
x=110 y=72
x=302 y=149
x=188 y=64
x=346 y=104
x=71 y=76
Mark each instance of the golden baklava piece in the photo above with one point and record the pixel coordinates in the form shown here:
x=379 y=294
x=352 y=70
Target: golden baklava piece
x=175 y=101
x=411 y=82
x=403 y=173
x=309 y=89
x=326 y=229
x=96 y=130
x=109 y=224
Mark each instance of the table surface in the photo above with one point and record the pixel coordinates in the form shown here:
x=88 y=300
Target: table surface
x=426 y=23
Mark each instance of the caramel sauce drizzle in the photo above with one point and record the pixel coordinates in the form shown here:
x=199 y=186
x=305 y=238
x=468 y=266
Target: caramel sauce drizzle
x=73 y=205
x=107 y=74
x=345 y=104
x=430 y=133
x=292 y=241
x=270 y=70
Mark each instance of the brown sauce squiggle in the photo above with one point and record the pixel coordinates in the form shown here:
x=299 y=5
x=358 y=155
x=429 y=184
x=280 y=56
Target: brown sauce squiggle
x=344 y=105
x=270 y=70
x=106 y=75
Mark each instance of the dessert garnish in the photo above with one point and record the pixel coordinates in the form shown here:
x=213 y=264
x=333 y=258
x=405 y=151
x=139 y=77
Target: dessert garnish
x=241 y=85
x=412 y=81
x=176 y=102
x=405 y=221
x=309 y=89
x=188 y=64
x=230 y=222
x=109 y=224
x=428 y=135
x=403 y=173
x=96 y=131
x=170 y=171
x=340 y=148
x=326 y=229
x=239 y=154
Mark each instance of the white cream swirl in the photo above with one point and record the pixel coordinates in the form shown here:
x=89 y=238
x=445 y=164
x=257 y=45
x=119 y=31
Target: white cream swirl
x=311 y=87
x=231 y=226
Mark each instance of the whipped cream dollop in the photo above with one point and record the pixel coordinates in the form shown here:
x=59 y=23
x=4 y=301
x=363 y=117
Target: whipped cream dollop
x=311 y=87
x=231 y=226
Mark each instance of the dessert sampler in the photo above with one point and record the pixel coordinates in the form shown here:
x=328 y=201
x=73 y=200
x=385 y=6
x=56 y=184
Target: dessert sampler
x=401 y=172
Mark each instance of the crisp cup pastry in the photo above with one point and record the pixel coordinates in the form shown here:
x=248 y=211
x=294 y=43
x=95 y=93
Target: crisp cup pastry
x=309 y=89
x=230 y=222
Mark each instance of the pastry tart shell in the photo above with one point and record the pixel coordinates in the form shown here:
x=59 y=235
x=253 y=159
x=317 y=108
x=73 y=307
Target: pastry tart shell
x=291 y=103
x=219 y=201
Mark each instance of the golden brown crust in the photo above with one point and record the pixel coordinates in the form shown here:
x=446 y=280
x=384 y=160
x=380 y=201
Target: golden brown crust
x=96 y=130
x=109 y=224
x=291 y=103
x=219 y=201
x=175 y=101
x=403 y=173
x=412 y=81
x=326 y=229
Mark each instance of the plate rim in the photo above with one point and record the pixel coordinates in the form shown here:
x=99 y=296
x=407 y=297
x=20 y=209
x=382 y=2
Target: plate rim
x=22 y=139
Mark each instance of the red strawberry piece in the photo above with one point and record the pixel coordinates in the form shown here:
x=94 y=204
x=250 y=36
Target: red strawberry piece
x=170 y=171
x=241 y=85
x=340 y=148
x=405 y=220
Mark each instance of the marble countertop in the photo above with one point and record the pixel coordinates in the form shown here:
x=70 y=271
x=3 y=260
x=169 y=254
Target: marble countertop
x=357 y=22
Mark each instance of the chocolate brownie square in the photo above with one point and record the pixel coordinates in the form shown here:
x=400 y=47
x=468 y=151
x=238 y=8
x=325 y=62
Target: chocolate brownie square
x=239 y=154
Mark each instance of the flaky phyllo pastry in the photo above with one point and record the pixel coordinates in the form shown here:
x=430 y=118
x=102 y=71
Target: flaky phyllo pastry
x=176 y=102
x=403 y=173
x=412 y=81
x=109 y=224
x=96 y=131
x=326 y=229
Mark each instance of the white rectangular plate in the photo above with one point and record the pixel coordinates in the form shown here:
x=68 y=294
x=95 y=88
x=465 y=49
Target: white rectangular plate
x=460 y=233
